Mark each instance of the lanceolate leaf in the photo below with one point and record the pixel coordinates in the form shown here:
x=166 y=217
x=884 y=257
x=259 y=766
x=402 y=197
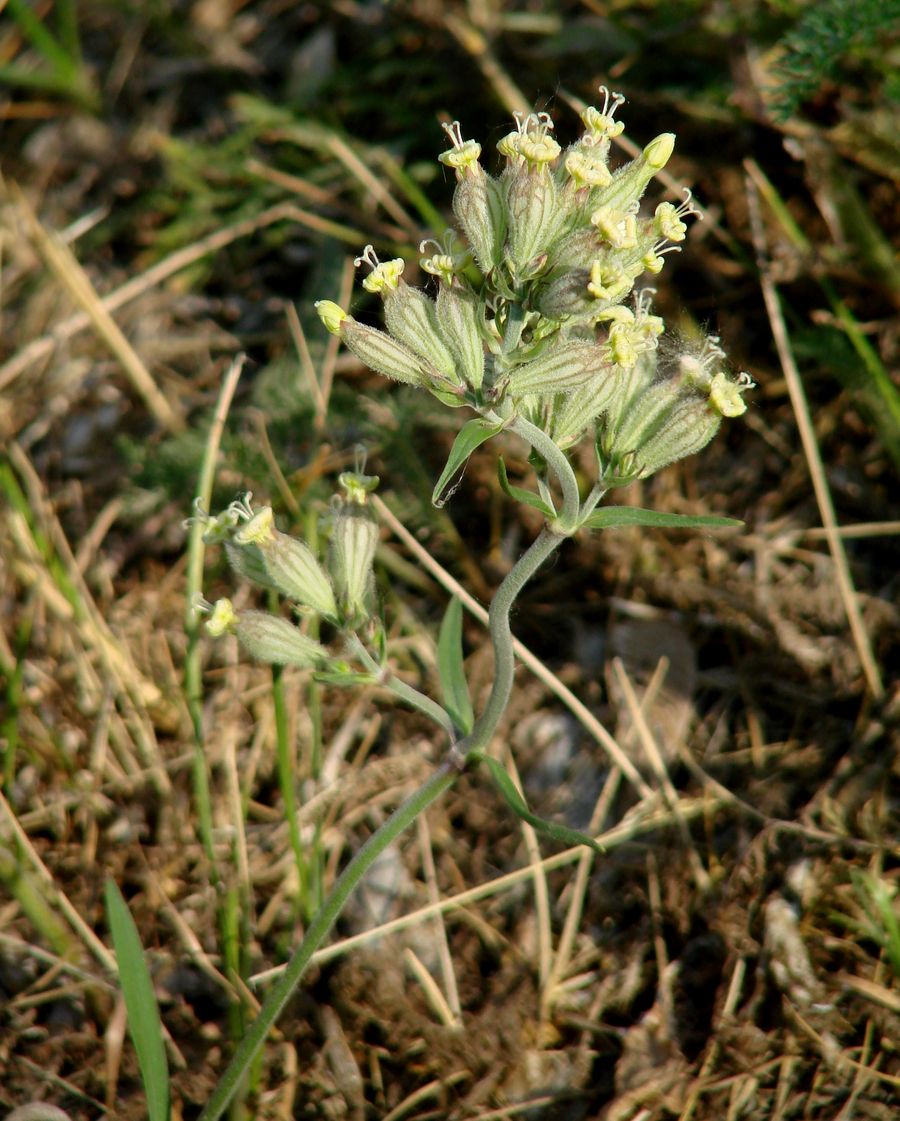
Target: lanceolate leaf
x=450 y=667
x=517 y=804
x=140 y=1003
x=610 y=517
x=519 y=494
x=470 y=436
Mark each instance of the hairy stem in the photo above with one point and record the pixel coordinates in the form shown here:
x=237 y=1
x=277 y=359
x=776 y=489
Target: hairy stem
x=558 y=463
x=501 y=638
x=400 y=689
x=592 y=501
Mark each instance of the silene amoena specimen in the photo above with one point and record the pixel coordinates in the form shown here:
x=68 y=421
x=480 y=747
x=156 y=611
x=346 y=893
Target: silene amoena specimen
x=537 y=325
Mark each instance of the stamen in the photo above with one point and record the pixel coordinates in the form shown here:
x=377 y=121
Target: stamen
x=367 y=257
x=241 y=508
x=454 y=131
x=611 y=101
x=200 y=605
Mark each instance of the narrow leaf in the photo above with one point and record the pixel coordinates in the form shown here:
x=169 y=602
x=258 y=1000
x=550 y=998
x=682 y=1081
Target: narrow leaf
x=144 y=1022
x=517 y=804
x=610 y=517
x=472 y=435
x=450 y=668
x=519 y=494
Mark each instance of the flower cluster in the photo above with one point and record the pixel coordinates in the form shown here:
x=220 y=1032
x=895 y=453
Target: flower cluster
x=340 y=591
x=548 y=324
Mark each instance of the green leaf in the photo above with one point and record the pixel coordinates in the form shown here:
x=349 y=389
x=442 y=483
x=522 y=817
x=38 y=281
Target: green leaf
x=517 y=804
x=472 y=435
x=519 y=494
x=450 y=668
x=144 y=1023
x=611 y=517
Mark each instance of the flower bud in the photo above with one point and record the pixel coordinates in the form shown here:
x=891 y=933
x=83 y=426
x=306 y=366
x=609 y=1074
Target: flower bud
x=689 y=425
x=533 y=212
x=565 y=295
x=643 y=416
x=411 y=317
x=630 y=181
x=478 y=206
x=298 y=575
x=458 y=315
x=659 y=151
x=331 y=314
x=559 y=369
x=350 y=557
x=477 y=201
x=629 y=384
x=289 y=563
x=573 y=413
x=384 y=354
x=269 y=638
x=247 y=561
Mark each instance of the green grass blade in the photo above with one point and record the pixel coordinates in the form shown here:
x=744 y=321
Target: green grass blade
x=69 y=34
x=43 y=41
x=144 y=1022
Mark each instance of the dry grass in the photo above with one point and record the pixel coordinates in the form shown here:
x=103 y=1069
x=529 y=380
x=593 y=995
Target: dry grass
x=719 y=711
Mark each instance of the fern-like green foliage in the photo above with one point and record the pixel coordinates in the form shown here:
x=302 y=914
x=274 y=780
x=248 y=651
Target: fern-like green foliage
x=825 y=34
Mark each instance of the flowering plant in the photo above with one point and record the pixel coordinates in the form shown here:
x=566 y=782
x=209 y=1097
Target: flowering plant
x=537 y=327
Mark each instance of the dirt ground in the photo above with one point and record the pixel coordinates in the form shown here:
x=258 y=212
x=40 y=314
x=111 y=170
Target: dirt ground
x=180 y=182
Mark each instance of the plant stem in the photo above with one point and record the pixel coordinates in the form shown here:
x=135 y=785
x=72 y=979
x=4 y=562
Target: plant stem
x=193 y=670
x=559 y=464
x=387 y=679
x=251 y=1044
x=287 y=779
x=501 y=637
x=592 y=501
